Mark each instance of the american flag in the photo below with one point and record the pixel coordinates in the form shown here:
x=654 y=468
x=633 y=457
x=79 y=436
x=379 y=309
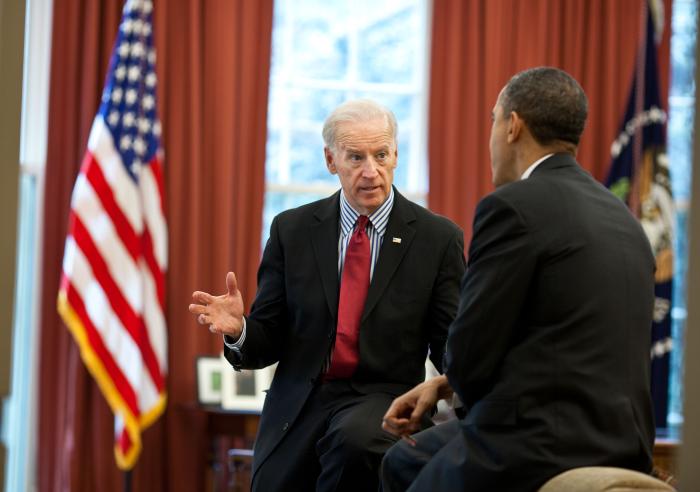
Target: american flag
x=112 y=291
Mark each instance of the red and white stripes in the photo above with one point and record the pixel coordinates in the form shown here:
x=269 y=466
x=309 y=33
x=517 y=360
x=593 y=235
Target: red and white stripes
x=112 y=290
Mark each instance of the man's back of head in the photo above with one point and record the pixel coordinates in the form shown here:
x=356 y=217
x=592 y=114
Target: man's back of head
x=550 y=101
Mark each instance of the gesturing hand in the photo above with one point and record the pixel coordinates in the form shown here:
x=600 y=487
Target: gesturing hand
x=224 y=313
x=404 y=414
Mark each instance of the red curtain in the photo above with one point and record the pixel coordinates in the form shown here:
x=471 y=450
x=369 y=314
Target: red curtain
x=213 y=71
x=478 y=45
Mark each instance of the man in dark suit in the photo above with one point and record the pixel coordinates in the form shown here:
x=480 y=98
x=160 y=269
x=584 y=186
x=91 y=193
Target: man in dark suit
x=353 y=291
x=549 y=352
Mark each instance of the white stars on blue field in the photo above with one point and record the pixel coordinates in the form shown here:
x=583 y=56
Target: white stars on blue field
x=129 y=100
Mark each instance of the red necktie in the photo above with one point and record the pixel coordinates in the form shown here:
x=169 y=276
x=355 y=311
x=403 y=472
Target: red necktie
x=353 y=292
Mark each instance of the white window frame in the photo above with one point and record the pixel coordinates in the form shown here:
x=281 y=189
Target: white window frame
x=21 y=408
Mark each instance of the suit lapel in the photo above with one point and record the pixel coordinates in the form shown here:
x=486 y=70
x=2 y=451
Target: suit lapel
x=391 y=252
x=324 y=237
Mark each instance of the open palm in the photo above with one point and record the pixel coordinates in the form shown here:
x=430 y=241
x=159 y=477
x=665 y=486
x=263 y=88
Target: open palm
x=224 y=313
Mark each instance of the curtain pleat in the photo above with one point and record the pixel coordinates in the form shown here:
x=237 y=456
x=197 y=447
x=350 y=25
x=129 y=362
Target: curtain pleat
x=213 y=70
x=478 y=45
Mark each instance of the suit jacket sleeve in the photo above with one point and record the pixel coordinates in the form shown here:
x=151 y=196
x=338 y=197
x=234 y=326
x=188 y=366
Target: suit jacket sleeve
x=494 y=291
x=267 y=320
x=445 y=297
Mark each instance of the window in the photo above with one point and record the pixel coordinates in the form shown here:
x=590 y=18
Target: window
x=681 y=109
x=20 y=409
x=324 y=53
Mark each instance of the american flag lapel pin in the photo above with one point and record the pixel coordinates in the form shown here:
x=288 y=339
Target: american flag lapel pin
x=396 y=240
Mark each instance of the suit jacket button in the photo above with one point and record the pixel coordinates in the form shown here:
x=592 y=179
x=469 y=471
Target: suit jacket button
x=285 y=426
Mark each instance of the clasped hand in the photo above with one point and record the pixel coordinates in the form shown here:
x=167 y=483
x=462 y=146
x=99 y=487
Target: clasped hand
x=224 y=313
x=404 y=415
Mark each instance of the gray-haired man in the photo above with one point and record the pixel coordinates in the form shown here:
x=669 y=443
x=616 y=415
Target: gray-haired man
x=353 y=291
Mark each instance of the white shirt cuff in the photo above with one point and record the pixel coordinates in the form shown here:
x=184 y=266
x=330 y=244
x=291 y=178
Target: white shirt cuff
x=238 y=344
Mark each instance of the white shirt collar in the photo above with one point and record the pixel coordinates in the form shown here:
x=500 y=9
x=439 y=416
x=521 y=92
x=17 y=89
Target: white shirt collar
x=532 y=167
x=379 y=219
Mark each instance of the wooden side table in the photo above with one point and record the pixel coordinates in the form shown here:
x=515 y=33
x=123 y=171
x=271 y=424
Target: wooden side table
x=666 y=455
x=224 y=430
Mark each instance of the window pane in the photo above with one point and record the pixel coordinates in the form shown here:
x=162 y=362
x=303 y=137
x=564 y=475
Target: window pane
x=306 y=160
x=320 y=41
x=402 y=170
x=387 y=45
x=681 y=116
x=679 y=147
x=273 y=156
x=313 y=105
x=17 y=429
x=683 y=47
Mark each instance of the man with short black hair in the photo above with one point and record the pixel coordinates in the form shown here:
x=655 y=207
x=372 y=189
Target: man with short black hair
x=549 y=351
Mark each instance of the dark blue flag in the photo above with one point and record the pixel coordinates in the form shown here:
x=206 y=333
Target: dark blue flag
x=639 y=175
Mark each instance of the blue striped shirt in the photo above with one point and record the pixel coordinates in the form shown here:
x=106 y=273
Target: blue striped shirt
x=376 y=228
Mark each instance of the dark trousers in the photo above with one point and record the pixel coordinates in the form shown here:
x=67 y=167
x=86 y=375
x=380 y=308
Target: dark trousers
x=335 y=444
x=406 y=467
x=444 y=459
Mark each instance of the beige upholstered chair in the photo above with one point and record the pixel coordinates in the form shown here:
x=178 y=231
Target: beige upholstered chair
x=604 y=479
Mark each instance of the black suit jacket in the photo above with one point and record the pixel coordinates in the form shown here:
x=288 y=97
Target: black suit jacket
x=411 y=301
x=550 y=350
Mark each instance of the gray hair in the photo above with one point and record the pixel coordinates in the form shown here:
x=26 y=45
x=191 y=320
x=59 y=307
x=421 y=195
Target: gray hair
x=359 y=110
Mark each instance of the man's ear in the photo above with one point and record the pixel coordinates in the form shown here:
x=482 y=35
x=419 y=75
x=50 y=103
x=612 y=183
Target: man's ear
x=515 y=126
x=330 y=160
